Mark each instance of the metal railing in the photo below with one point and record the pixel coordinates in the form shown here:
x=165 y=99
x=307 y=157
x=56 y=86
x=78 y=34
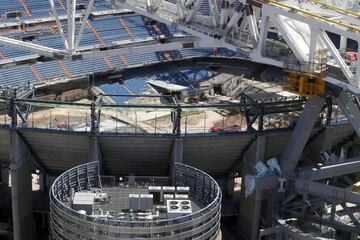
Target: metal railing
x=66 y=223
x=160 y=119
x=139 y=119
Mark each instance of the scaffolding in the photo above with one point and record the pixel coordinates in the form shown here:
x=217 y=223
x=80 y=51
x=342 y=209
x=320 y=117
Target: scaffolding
x=307 y=79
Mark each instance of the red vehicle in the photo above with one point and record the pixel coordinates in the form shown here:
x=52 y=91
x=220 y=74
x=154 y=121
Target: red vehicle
x=351 y=57
x=232 y=129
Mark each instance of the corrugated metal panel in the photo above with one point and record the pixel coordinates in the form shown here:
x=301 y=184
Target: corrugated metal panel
x=214 y=154
x=58 y=151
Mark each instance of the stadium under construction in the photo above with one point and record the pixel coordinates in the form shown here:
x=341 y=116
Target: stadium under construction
x=179 y=119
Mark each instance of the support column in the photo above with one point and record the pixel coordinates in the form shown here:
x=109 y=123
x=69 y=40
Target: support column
x=249 y=214
x=5 y=173
x=357 y=66
x=95 y=151
x=71 y=10
x=350 y=110
x=250 y=207
x=21 y=188
x=42 y=181
x=176 y=155
x=300 y=135
x=313 y=43
x=265 y=25
x=256 y=152
x=343 y=44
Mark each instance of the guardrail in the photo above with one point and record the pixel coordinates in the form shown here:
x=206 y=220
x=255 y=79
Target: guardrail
x=66 y=223
x=158 y=119
x=140 y=119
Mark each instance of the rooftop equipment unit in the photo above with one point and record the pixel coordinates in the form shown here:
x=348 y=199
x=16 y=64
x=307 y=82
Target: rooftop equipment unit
x=146 y=202
x=134 y=202
x=168 y=196
x=181 y=196
x=84 y=201
x=178 y=208
x=156 y=192
x=182 y=190
x=167 y=190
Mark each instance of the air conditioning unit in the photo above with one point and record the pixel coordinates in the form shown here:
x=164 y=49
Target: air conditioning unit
x=146 y=202
x=156 y=192
x=84 y=201
x=181 y=196
x=168 y=197
x=178 y=208
x=134 y=202
x=166 y=190
x=182 y=190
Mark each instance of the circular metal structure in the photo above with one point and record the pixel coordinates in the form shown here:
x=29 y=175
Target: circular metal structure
x=69 y=224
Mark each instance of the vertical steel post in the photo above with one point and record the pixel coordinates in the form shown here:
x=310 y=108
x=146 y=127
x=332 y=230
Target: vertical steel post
x=155 y=122
x=93 y=118
x=178 y=120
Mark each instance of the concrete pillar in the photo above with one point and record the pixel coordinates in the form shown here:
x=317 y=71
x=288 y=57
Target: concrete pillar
x=358 y=64
x=5 y=173
x=249 y=215
x=21 y=188
x=250 y=207
x=50 y=180
x=176 y=155
x=42 y=181
x=95 y=151
x=230 y=184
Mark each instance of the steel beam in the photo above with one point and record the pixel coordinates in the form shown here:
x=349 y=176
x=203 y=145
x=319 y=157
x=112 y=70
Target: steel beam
x=358 y=66
x=191 y=14
x=350 y=214
x=267 y=182
x=214 y=13
x=300 y=135
x=30 y=47
x=59 y=25
x=224 y=13
x=350 y=110
x=331 y=193
x=234 y=19
x=329 y=171
x=313 y=43
x=289 y=39
x=336 y=55
x=84 y=22
x=253 y=28
x=323 y=221
x=71 y=11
